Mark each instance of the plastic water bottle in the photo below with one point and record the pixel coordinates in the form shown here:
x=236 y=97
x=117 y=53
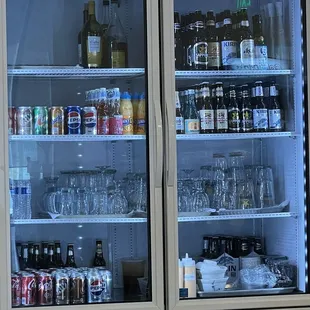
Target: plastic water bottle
x=24 y=194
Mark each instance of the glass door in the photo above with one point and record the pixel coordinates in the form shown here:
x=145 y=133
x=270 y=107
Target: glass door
x=81 y=175
x=236 y=150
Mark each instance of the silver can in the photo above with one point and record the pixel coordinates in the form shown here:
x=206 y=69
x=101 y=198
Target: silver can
x=107 y=283
x=94 y=287
x=89 y=121
x=24 y=121
x=62 y=288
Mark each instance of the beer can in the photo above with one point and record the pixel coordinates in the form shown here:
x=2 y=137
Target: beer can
x=45 y=294
x=56 y=121
x=107 y=283
x=94 y=287
x=89 y=121
x=40 y=120
x=12 y=121
x=16 y=290
x=73 y=120
x=29 y=289
x=77 y=288
x=24 y=120
x=62 y=286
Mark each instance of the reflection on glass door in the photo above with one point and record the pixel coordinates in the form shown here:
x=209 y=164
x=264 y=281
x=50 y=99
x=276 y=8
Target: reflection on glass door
x=78 y=164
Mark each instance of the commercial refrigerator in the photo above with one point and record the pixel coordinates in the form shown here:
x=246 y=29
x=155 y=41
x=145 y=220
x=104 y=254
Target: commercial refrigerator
x=207 y=225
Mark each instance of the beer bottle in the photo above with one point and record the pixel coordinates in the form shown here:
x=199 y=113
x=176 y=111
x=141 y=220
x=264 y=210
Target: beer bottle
x=246 y=40
x=221 y=112
x=229 y=44
x=190 y=32
x=275 y=112
x=24 y=262
x=261 y=50
x=233 y=111
x=51 y=258
x=260 y=112
x=206 y=110
x=191 y=117
x=197 y=96
x=44 y=259
x=245 y=249
x=177 y=42
x=199 y=45
x=206 y=248
x=246 y=111
x=99 y=260
x=214 y=247
x=36 y=262
x=30 y=253
x=214 y=48
x=70 y=262
x=179 y=123
x=258 y=248
x=58 y=257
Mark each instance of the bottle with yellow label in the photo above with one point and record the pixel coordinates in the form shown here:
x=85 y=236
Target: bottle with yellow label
x=141 y=116
x=127 y=112
x=135 y=104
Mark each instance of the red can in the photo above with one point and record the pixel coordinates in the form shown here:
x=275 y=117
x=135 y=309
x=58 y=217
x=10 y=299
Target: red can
x=16 y=290
x=45 y=289
x=29 y=289
x=12 y=121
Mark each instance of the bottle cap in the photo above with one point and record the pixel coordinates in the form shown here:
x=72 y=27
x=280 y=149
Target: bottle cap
x=188 y=261
x=180 y=263
x=125 y=95
x=142 y=96
x=135 y=96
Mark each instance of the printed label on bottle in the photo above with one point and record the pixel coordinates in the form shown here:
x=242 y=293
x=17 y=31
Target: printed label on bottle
x=234 y=119
x=191 y=126
x=221 y=119
x=179 y=123
x=229 y=52
x=127 y=125
x=200 y=53
x=80 y=53
x=261 y=56
x=51 y=252
x=94 y=50
x=25 y=255
x=103 y=125
x=275 y=121
x=247 y=52
x=247 y=119
x=116 y=124
x=227 y=21
x=259 y=92
x=189 y=277
x=118 y=59
x=70 y=253
x=206 y=119
x=214 y=55
x=58 y=250
x=260 y=118
x=273 y=91
x=189 y=55
x=140 y=126
x=45 y=251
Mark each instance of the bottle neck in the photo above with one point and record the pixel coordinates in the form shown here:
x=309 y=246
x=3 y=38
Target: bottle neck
x=85 y=16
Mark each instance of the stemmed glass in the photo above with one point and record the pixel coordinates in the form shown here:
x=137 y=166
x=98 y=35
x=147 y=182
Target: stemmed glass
x=201 y=200
x=118 y=201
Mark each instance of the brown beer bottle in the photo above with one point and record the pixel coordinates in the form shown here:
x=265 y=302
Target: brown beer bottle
x=58 y=257
x=177 y=42
x=36 y=262
x=99 y=260
x=206 y=110
x=70 y=262
x=221 y=113
x=44 y=259
x=214 y=48
x=51 y=257
x=179 y=123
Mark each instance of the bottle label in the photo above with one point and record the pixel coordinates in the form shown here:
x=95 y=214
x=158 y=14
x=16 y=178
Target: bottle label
x=94 y=50
x=45 y=251
x=191 y=126
x=247 y=52
x=273 y=91
x=118 y=59
x=234 y=119
x=247 y=119
x=260 y=118
x=245 y=23
x=116 y=125
x=140 y=126
x=189 y=277
x=127 y=125
x=221 y=119
x=80 y=53
x=227 y=21
x=200 y=53
x=51 y=252
x=214 y=55
x=259 y=92
x=58 y=250
x=275 y=121
x=179 y=124
x=261 y=56
x=103 y=125
x=206 y=119
x=70 y=253
x=229 y=52
x=25 y=255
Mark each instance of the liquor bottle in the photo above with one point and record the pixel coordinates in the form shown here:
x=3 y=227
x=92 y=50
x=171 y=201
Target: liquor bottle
x=247 y=48
x=36 y=261
x=92 y=52
x=189 y=40
x=24 y=262
x=214 y=247
x=51 y=258
x=221 y=113
x=206 y=110
x=58 y=258
x=275 y=112
x=117 y=41
x=246 y=111
x=191 y=117
x=233 y=111
x=179 y=123
x=228 y=44
x=105 y=16
x=99 y=260
x=206 y=248
x=261 y=50
x=30 y=253
x=177 y=42
x=199 y=50
x=260 y=112
x=214 y=47
x=70 y=262
x=258 y=248
x=44 y=255
x=85 y=18
x=244 y=249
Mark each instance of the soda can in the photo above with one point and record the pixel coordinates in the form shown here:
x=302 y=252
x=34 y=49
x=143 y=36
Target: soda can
x=62 y=286
x=107 y=283
x=40 y=120
x=56 y=121
x=12 y=121
x=16 y=290
x=89 y=120
x=94 y=287
x=45 y=292
x=24 y=120
x=73 y=120
x=29 y=289
x=77 y=288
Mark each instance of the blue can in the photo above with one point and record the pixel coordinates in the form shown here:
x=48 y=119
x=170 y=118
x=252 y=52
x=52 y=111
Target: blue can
x=73 y=120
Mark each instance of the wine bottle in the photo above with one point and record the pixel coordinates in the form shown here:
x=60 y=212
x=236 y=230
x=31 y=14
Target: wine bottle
x=92 y=40
x=105 y=16
x=85 y=16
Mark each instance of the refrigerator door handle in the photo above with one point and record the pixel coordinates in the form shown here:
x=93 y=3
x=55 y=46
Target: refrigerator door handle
x=171 y=137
